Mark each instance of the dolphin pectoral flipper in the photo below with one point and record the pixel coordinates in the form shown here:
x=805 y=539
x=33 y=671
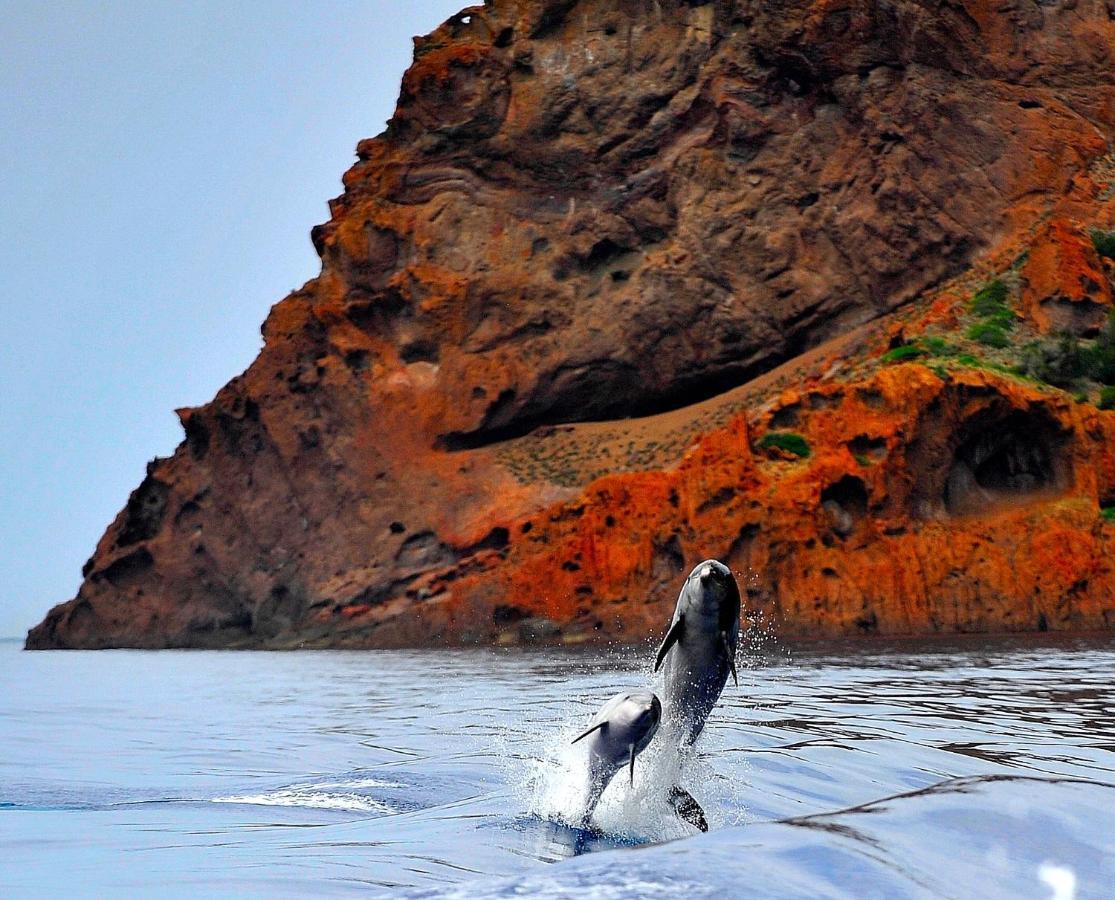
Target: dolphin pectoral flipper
x=731 y=657
x=632 y=764
x=597 y=727
x=687 y=809
x=672 y=637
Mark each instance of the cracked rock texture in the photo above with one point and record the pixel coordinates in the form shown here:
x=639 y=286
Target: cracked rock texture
x=601 y=250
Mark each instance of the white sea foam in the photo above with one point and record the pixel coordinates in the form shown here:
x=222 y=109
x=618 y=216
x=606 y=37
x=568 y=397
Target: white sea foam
x=338 y=795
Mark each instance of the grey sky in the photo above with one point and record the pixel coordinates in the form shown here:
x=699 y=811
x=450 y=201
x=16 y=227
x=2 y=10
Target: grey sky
x=162 y=166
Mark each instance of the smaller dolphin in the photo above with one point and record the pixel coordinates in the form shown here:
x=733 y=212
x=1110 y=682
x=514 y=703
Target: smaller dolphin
x=619 y=732
x=700 y=648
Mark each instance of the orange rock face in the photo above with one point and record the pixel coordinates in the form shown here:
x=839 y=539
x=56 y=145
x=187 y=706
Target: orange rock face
x=611 y=295
x=1066 y=286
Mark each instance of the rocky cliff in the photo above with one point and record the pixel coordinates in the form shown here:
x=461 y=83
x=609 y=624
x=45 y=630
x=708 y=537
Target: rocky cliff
x=818 y=288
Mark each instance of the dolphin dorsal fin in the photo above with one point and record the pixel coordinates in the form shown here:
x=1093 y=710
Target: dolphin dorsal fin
x=597 y=727
x=731 y=656
x=672 y=637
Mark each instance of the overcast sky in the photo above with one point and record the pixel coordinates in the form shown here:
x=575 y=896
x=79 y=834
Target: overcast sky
x=162 y=165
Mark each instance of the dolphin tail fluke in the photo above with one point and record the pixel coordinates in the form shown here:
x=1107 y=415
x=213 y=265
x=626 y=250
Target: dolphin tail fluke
x=597 y=727
x=672 y=637
x=731 y=656
x=687 y=809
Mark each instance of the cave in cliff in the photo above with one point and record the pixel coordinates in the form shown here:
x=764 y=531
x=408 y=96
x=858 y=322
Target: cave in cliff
x=1005 y=461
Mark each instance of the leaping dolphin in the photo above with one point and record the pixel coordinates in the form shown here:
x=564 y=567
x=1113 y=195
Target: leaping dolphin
x=699 y=652
x=619 y=732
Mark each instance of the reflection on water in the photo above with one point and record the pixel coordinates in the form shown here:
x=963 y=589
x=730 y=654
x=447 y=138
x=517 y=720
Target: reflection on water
x=951 y=768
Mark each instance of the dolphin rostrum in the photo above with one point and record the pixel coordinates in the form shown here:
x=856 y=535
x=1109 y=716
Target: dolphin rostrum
x=618 y=733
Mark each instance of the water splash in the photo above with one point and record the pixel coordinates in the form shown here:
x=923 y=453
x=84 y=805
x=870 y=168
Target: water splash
x=557 y=788
x=555 y=783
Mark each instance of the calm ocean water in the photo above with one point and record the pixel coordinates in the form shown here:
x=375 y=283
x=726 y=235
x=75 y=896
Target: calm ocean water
x=975 y=768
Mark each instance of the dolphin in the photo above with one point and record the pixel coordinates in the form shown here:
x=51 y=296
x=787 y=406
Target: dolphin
x=621 y=731
x=699 y=651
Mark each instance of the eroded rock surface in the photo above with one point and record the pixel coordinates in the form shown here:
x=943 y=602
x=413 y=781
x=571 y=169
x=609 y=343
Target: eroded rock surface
x=585 y=211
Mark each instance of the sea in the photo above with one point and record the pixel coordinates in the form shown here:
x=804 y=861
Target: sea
x=963 y=767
